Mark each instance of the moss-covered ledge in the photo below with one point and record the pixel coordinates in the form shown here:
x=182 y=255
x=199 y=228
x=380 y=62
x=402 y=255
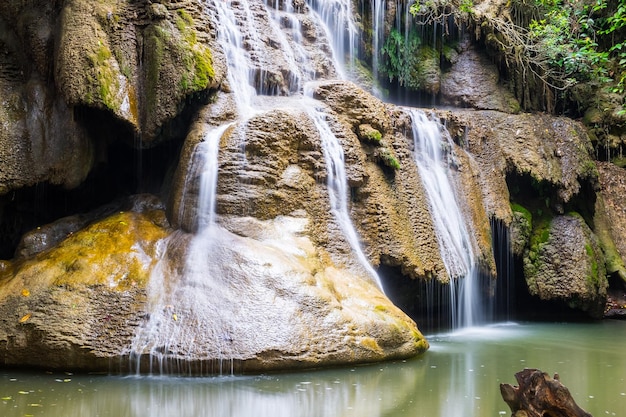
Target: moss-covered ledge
x=142 y=63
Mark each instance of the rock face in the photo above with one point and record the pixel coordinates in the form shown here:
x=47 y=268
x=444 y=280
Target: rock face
x=473 y=81
x=543 y=165
x=565 y=263
x=271 y=282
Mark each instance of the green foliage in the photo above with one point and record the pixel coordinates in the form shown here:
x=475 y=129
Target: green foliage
x=467 y=6
x=573 y=53
x=610 y=26
x=400 y=55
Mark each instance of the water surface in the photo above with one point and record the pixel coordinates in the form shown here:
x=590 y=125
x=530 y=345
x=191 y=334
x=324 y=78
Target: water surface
x=458 y=376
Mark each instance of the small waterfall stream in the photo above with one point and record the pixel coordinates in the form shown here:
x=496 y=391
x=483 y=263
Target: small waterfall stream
x=338 y=187
x=433 y=150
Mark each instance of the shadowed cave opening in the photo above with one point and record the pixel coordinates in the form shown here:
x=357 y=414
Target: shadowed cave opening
x=428 y=301
x=121 y=171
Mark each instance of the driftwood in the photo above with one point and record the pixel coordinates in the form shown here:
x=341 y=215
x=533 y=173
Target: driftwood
x=538 y=395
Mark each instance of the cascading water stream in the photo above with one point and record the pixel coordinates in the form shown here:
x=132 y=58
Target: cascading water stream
x=338 y=187
x=378 y=38
x=162 y=336
x=433 y=147
x=337 y=18
x=239 y=72
x=179 y=300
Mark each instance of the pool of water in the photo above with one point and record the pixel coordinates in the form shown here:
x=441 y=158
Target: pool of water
x=458 y=376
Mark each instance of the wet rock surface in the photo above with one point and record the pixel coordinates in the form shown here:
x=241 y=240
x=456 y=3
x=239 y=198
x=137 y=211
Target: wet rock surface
x=473 y=82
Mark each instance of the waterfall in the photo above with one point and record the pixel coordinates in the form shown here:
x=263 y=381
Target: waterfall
x=207 y=151
x=200 y=296
x=337 y=16
x=338 y=187
x=433 y=150
x=162 y=338
x=231 y=38
x=378 y=32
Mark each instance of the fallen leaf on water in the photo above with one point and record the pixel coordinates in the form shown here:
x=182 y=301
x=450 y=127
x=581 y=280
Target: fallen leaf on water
x=67 y=380
x=25 y=318
x=23 y=392
x=7 y=398
x=25 y=292
x=175 y=317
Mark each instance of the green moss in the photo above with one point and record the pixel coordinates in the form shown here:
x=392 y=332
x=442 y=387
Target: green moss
x=593 y=278
x=374 y=136
x=517 y=208
x=539 y=236
x=387 y=159
x=105 y=77
x=589 y=169
x=116 y=252
x=156 y=39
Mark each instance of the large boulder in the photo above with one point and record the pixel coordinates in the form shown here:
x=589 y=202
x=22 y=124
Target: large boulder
x=610 y=220
x=75 y=305
x=565 y=263
x=262 y=298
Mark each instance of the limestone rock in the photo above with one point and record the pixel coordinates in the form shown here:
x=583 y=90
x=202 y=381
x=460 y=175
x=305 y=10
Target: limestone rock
x=74 y=305
x=39 y=138
x=138 y=61
x=551 y=150
x=265 y=298
x=610 y=220
x=473 y=81
x=565 y=262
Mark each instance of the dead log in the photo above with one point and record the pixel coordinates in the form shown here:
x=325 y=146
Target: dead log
x=538 y=395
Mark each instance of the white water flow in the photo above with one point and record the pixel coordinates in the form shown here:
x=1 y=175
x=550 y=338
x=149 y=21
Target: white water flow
x=231 y=39
x=433 y=148
x=378 y=32
x=163 y=337
x=337 y=18
x=208 y=151
x=338 y=187
x=295 y=56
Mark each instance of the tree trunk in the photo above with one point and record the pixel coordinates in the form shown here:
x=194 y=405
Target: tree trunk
x=538 y=395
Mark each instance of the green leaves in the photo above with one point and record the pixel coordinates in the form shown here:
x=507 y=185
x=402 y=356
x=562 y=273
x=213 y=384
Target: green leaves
x=400 y=56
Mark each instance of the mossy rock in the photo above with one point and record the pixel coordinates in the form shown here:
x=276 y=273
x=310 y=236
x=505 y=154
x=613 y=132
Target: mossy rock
x=176 y=59
x=117 y=252
x=521 y=228
x=386 y=158
x=565 y=263
x=368 y=134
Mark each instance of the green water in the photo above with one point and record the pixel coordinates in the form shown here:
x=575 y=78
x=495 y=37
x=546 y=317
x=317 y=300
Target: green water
x=458 y=376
